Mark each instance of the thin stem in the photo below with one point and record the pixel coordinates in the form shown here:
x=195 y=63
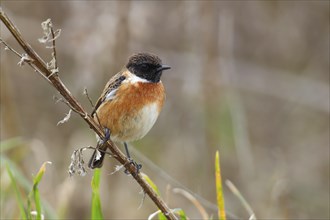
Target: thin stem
x=10 y=48
x=54 y=47
x=40 y=65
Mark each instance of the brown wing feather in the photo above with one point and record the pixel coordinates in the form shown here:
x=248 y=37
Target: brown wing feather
x=111 y=85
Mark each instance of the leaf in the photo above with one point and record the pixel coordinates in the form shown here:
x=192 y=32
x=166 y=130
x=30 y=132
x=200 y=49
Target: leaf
x=35 y=191
x=161 y=216
x=17 y=193
x=10 y=144
x=218 y=183
x=40 y=174
x=151 y=183
x=181 y=213
x=23 y=182
x=96 y=212
x=178 y=211
x=36 y=195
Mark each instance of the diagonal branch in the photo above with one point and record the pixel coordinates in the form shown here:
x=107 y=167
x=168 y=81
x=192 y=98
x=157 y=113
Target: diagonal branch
x=40 y=65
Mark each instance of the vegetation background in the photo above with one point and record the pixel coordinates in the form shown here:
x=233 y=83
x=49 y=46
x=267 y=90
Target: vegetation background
x=250 y=78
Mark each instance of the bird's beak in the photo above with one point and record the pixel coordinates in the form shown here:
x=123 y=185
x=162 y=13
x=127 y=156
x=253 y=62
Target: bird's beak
x=163 y=67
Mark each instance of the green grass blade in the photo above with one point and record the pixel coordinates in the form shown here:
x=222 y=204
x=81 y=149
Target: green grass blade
x=24 y=183
x=35 y=190
x=17 y=193
x=161 y=216
x=10 y=144
x=96 y=212
x=38 y=177
x=151 y=183
x=36 y=195
x=218 y=183
x=19 y=177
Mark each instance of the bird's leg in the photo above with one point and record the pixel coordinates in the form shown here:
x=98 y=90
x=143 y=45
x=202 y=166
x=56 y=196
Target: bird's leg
x=137 y=166
x=106 y=135
x=127 y=152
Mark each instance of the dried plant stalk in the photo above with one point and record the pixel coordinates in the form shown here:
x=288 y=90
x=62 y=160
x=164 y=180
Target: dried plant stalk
x=38 y=64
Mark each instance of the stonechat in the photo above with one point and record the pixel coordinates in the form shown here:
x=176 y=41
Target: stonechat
x=130 y=103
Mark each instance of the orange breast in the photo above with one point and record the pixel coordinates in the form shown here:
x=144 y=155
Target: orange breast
x=126 y=116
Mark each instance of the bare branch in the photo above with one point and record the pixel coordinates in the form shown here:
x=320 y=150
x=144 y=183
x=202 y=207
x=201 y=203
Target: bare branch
x=40 y=65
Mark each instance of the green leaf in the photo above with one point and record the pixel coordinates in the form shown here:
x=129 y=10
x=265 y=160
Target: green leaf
x=181 y=213
x=96 y=212
x=178 y=211
x=42 y=170
x=17 y=193
x=151 y=183
x=35 y=191
x=161 y=216
x=9 y=144
x=23 y=182
x=218 y=183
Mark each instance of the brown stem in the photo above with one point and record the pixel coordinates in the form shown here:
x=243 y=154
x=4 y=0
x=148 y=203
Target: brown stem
x=41 y=67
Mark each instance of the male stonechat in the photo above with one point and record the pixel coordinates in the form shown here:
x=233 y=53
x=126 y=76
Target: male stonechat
x=130 y=103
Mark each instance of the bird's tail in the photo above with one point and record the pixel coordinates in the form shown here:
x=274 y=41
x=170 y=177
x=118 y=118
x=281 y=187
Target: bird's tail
x=97 y=158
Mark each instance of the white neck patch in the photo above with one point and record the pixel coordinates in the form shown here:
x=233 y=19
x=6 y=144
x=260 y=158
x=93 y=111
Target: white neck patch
x=132 y=78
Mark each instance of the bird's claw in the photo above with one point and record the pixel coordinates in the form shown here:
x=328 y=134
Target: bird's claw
x=136 y=165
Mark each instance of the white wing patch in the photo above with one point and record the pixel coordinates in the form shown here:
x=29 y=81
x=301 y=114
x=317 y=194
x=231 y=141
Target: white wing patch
x=111 y=95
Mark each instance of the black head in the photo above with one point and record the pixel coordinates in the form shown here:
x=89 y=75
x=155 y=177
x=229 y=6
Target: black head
x=146 y=66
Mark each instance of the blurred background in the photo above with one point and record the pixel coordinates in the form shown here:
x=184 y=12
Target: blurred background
x=248 y=78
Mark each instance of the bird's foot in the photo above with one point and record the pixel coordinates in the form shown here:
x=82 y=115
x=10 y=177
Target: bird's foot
x=137 y=166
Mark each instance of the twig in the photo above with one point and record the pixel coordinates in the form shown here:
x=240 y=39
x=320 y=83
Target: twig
x=40 y=65
x=23 y=58
x=89 y=99
x=246 y=205
x=57 y=100
x=54 y=47
x=7 y=47
x=194 y=201
x=151 y=165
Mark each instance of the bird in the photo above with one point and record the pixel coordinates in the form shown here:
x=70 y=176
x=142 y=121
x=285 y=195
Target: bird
x=129 y=104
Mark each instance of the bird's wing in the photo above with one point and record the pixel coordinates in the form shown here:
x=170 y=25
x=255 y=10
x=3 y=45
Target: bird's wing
x=109 y=90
